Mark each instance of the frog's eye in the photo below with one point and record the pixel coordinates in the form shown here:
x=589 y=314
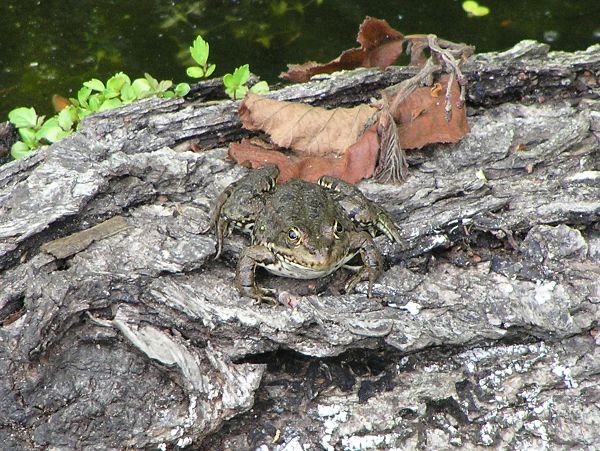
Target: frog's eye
x=337 y=229
x=293 y=235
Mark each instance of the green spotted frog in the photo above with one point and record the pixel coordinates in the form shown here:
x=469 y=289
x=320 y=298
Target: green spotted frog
x=300 y=229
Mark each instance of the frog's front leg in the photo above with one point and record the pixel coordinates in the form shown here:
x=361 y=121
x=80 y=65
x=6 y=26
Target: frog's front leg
x=240 y=203
x=250 y=258
x=366 y=214
x=218 y=222
x=372 y=262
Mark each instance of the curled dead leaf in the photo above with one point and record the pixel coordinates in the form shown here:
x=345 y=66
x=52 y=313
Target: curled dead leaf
x=357 y=163
x=421 y=118
x=307 y=129
x=381 y=46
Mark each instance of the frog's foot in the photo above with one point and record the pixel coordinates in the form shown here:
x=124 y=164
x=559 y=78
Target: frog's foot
x=259 y=294
x=364 y=273
x=386 y=225
x=372 y=263
x=245 y=279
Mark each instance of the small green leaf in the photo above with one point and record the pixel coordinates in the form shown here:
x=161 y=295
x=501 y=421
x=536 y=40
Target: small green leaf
x=141 y=87
x=241 y=75
x=53 y=134
x=128 y=94
x=153 y=82
x=241 y=92
x=117 y=81
x=469 y=5
x=237 y=93
x=168 y=94
x=481 y=11
x=115 y=84
x=182 y=89
x=83 y=112
x=475 y=9
x=200 y=50
x=228 y=81
x=28 y=137
x=40 y=121
x=50 y=131
x=65 y=118
x=164 y=85
x=109 y=104
x=95 y=85
x=72 y=109
x=262 y=87
x=195 y=72
x=23 y=117
x=83 y=95
x=95 y=101
x=110 y=94
x=234 y=83
x=210 y=70
x=20 y=150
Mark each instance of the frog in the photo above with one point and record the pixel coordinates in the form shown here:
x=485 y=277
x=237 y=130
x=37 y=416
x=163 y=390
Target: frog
x=300 y=229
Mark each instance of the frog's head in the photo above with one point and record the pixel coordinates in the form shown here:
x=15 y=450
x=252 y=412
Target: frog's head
x=307 y=249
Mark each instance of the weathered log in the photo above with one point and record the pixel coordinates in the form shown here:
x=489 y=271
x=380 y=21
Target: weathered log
x=125 y=333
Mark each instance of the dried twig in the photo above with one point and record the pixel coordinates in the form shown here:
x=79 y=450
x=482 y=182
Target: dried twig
x=392 y=165
x=445 y=56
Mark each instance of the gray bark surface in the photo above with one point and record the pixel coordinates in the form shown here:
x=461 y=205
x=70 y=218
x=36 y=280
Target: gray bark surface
x=118 y=329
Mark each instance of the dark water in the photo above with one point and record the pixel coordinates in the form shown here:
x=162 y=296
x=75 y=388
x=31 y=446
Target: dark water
x=52 y=46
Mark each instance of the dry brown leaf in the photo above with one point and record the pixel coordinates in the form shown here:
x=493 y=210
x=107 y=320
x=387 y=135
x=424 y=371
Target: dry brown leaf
x=300 y=73
x=421 y=117
x=308 y=130
x=357 y=163
x=381 y=45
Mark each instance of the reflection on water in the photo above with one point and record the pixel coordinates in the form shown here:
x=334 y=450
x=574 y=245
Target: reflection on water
x=52 y=46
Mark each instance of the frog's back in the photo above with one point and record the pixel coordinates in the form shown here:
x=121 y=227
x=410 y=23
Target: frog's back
x=299 y=202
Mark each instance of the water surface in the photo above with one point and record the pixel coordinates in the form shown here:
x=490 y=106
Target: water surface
x=52 y=46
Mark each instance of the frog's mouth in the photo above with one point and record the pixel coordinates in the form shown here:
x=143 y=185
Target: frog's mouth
x=304 y=266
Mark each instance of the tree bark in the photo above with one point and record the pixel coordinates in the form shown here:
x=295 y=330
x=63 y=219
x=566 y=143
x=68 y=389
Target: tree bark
x=118 y=329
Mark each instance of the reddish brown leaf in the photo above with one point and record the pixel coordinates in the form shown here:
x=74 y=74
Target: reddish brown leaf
x=381 y=45
x=421 y=117
x=383 y=56
x=308 y=130
x=374 y=32
x=357 y=163
x=300 y=73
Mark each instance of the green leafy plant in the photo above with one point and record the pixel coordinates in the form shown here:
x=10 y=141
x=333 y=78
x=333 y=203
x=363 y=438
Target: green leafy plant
x=235 y=84
x=34 y=131
x=120 y=90
x=96 y=95
x=200 y=50
x=93 y=96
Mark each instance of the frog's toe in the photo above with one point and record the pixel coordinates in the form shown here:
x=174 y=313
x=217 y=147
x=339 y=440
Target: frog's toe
x=363 y=274
x=259 y=294
x=353 y=281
